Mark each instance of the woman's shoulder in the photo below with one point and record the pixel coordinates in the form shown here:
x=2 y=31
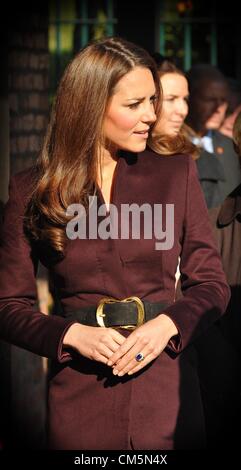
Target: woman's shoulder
x=23 y=182
x=26 y=176
x=175 y=162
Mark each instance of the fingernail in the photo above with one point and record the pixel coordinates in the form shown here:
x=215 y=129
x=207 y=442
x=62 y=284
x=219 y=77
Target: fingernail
x=130 y=373
x=109 y=363
x=115 y=371
x=121 y=374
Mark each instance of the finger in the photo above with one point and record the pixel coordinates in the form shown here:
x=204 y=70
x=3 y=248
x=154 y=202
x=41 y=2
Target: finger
x=104 y=353
x=107 y=350
x=130 y=362
x=122 y=350
x=100 y=358
x=112 y=340
x=125 y=354
x=113 y=347
x=140 y=365
x=118 y=337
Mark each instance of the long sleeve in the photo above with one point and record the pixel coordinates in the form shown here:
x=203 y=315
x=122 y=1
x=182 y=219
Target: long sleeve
x=203 y=283
x=20 y=322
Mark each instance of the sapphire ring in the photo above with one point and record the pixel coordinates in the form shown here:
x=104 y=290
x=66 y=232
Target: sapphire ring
x=139 y=357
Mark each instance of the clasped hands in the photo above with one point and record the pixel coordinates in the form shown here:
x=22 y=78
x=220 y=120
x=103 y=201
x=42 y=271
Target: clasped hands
x=124 y=355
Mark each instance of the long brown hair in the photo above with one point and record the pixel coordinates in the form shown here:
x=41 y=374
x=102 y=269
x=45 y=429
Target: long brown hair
x=181 y=143
x=170 y=145
x=68 y=162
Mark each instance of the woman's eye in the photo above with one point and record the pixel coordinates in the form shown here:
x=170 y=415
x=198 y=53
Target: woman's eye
x=134 y=105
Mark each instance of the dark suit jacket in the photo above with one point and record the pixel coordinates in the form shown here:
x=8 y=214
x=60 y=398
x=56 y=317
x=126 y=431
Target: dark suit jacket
x=226 y=155
x=211 y=176
x=226 y=221
x=89 y=408
x=219 y=350
x=219 y=172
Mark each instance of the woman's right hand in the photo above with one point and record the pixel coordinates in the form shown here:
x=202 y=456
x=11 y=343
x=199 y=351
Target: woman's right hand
x=96 y=343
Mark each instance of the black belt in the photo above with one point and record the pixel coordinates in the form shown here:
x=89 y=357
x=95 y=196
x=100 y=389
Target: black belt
x=128 y=313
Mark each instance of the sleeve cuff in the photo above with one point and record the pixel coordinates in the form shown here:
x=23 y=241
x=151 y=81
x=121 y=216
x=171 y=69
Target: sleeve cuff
x=64 y=354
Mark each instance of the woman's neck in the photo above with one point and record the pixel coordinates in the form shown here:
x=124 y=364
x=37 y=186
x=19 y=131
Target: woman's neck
x=108 y=161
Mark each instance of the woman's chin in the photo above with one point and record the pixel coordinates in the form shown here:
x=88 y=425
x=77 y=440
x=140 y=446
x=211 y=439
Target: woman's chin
x=136 y=147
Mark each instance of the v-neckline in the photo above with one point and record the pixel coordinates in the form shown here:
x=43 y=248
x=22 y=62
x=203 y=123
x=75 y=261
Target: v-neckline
x=112 y=190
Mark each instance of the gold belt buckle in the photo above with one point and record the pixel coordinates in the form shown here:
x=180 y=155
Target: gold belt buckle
x=100 y=315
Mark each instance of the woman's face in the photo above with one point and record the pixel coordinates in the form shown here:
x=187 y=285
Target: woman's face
x=130 y=111
x=174 y=107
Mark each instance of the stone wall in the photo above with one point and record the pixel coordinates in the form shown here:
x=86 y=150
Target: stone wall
x=22 y=375
x=28 y=78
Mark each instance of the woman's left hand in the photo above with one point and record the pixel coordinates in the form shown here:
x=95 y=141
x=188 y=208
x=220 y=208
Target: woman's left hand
x=148 y=341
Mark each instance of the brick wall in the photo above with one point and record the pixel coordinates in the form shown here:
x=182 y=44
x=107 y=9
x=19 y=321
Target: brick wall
x=28 y=87
x=23 y=390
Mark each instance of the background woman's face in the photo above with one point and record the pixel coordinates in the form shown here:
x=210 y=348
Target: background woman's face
x=130 y=111
x=174 y=107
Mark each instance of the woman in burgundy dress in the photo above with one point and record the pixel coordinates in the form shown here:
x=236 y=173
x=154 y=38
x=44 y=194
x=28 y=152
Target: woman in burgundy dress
x=112 y=387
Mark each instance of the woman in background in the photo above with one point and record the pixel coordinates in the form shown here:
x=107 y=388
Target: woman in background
x=175 y=97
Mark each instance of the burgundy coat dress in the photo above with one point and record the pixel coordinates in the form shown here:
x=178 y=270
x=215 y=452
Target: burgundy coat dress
x=89 y=408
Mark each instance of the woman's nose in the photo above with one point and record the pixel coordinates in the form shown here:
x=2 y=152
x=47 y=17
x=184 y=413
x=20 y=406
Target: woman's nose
x=149 y=115
x=182 y=108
